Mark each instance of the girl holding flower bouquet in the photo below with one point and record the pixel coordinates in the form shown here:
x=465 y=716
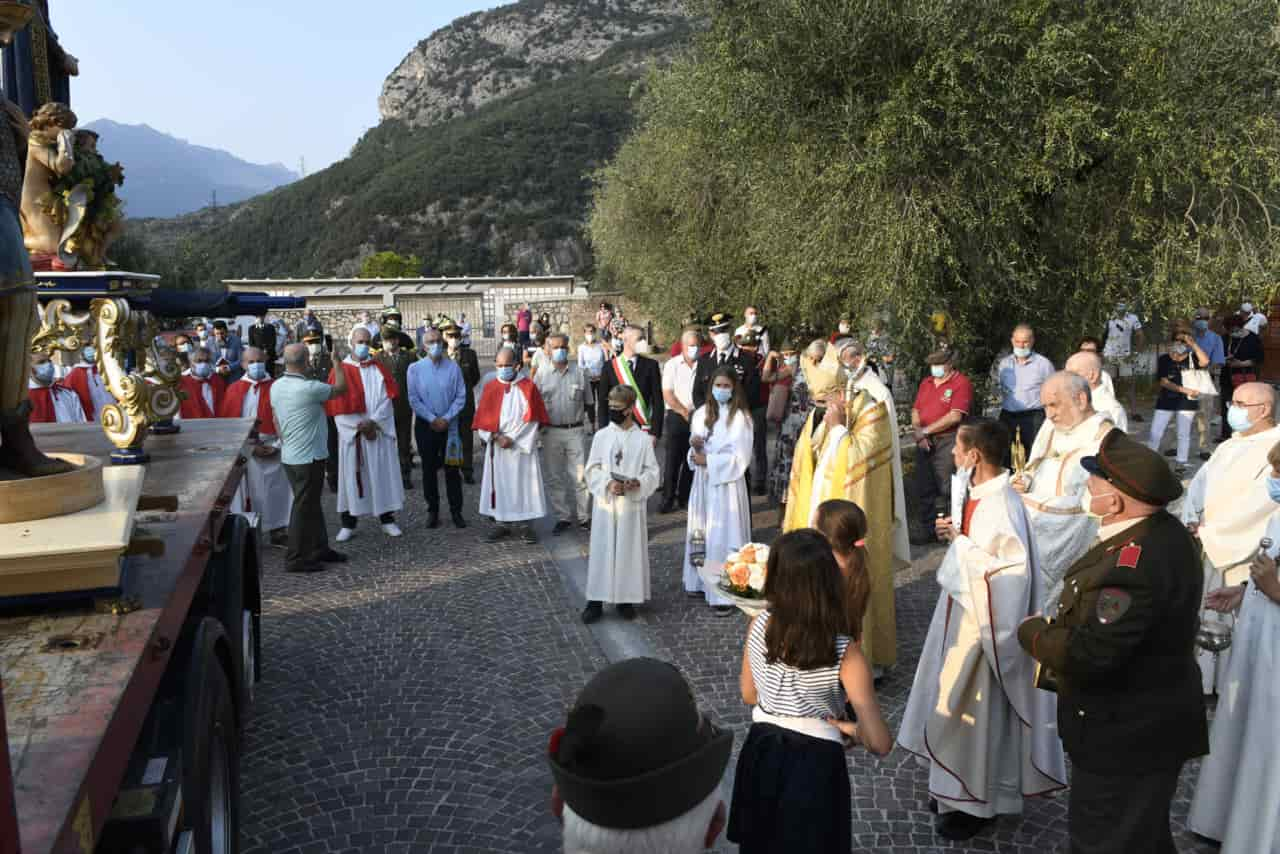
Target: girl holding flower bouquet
x=791 y=792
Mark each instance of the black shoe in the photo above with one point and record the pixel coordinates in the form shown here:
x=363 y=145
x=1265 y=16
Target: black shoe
x=468 y=477
x=684 y=504
x=458 y=521
x=667 y=506
x=561 y=526
x=585 y=524
x=933 y=805
x=333 y=487
x=762 y=489
x=528 y=536
x=279 y=539
x=694 y=594
x=331 y=556
x=408 y=482
x=1204 y=455
x=724 y=610
x=433 y=520
x=960 y=825
x=1171 y=452
x=307 y=568
x=497 y=534
x=627 y=611
x=592 y=612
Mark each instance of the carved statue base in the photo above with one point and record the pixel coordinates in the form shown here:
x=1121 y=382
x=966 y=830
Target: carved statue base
x=26 y=499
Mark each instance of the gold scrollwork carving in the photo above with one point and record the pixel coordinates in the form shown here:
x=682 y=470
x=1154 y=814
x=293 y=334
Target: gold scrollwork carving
x=60 y=329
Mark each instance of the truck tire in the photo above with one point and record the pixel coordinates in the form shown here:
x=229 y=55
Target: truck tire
x=234 y=608
x=211 y=746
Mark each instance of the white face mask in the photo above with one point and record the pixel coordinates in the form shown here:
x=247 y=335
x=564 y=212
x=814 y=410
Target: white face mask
x=691 y=353
x=589 y=337
x=313 y=349
x=844 y=328
x=1086 y=504
x=722 y=340
x=751 y=319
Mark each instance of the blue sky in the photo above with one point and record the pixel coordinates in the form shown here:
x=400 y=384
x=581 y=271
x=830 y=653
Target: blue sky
x=267 y=80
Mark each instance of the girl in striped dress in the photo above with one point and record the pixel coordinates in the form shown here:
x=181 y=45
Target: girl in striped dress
x=800 y=662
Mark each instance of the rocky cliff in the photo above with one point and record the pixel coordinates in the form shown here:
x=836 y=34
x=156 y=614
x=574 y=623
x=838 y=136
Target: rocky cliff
x=489 y=55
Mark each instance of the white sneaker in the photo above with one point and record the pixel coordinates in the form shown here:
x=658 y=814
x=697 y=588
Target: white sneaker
x=391 y=529
x=345 y=534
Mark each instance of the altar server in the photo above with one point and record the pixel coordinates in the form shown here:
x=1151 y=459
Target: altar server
x=51 y=402
x=1053 y=481
x=622 y=472
x=508 y=419
x=1239 y=788
x=265 y=489
x=369 y=480
x=974 y=713
x=85 y=380
x=1227 y=505
x=201 y=388
x=720 y=444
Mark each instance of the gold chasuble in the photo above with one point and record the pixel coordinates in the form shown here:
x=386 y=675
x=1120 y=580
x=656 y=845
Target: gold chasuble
x=857 y=468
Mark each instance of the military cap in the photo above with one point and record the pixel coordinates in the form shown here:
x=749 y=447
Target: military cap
x=748 y=339
x=945 y=356
x=636 y=752
x=1134 y=469
x=312 y=337
x=721 y=322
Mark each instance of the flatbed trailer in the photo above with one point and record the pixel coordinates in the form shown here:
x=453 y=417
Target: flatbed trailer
x=123 y=713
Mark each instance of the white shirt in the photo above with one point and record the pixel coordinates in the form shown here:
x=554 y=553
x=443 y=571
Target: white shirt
x=677 y=378
x=1256 y=321
x=1120 y=335
x=591 y=359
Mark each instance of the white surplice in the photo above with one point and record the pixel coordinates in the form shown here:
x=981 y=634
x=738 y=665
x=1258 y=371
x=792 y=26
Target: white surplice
x=264 y=485
x=512 y=490
x=1239 y=787
x=989 y=736
x=1063 y=531
x=618 y=567
x=1105 y=403
x=880 y=393
x=98 y=394
x=718 y=502
x=380 y=486
x=1228 y=496
x=66 y=403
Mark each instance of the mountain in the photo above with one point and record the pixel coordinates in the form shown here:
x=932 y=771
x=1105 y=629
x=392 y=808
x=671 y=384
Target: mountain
x=492 y=128
x=166 y=176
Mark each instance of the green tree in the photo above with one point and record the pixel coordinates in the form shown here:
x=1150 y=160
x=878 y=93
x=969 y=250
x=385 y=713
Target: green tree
x=996 y=159
x=390 y=265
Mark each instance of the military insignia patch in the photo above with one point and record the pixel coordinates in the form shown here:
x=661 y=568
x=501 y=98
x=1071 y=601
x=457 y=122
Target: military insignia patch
x=1129 y=556
x=1113 y=603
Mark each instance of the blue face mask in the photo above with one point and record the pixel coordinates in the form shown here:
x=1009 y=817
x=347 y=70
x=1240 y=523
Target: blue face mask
x=360 y=351
x=435 y=351
x=507 y=373
x=1238 y=418
x=722 y=395
x=1022 y=352
x=89 y=354
x=1201 y=326
x=938 y=371
x=1273 y=488
x=560 y=355
x=44 y=372
x=202 y=369
x=257 y=371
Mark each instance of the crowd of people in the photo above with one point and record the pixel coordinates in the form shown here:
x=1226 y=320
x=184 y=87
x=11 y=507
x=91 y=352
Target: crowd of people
x=1071 y=600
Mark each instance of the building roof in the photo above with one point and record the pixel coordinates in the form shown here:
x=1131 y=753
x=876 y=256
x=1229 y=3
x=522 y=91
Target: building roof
x=446 y=286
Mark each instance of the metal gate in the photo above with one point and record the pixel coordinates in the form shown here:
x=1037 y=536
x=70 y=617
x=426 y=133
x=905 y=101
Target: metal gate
x=418 y=309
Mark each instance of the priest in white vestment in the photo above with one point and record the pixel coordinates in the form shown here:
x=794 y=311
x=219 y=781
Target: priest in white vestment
x=1227 y=505
x=265 y=489
x=1239 y=788
x=1053 y=482
x=1102 y=395
x=508 y=418
x=719 y=506
x=974 y=714
x=369 y=479
x=622 y=472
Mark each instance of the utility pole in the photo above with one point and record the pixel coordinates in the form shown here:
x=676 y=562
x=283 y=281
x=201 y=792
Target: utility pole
x=214 y=202
x=302 y=167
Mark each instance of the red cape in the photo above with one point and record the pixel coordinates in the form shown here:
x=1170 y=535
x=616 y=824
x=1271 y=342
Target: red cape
x=42 y=409
x=232 y=405
x=78 y=381
x=489 y=412
x=193 y=405
x=352 y=403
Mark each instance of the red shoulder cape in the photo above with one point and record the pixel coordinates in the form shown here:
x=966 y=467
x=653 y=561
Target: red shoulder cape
x=193 y=405
x=489 y=411
x=232 y=405
x=352 y=403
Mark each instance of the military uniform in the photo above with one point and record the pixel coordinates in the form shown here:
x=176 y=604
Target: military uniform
x=318 y=369
x=397 y=364
x=1122 y=654
x=470 y=365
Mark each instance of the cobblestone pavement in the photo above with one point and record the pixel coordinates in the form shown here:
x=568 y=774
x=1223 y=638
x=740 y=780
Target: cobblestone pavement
x=408 y=696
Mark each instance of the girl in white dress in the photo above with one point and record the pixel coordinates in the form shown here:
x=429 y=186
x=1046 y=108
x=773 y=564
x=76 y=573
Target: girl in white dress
x=1239 y=788
x=720 y=437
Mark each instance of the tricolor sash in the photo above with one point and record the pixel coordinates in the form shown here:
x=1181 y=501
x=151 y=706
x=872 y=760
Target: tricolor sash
x=622 y=370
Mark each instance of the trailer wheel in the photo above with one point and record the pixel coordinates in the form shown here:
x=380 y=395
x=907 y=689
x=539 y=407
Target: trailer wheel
x=211 y=749
x=235 y=612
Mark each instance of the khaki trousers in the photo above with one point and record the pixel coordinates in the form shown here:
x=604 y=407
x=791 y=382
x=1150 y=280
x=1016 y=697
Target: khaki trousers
x=1204 y=421
x=564 y=469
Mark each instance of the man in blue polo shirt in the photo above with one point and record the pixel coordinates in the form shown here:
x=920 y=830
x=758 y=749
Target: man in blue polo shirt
x=1021 y=374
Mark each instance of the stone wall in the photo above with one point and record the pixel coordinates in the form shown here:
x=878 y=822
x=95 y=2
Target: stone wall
x=570 y=315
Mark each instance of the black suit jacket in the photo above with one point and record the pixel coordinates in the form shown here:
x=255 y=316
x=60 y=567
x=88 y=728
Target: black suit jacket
x=649 y=380
x=264 y=338
x=1123 y=651
x=744 y=365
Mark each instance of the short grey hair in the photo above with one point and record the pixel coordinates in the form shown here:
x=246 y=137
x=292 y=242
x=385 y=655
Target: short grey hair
x=1073 y=384
x=684 y=834
x=816 y=350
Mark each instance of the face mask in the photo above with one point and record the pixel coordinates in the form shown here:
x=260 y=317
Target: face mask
x=791 y=361
x=617 y=345
x=560 y=355
x=751 y=319
x=203 y=370
x=507 y=373
x=313 y=349
x=435 y=351
x=1179 y=349
x=44 y=372
x=1121 y=308
x=844 y=328
x=508 y=337
x=360 y=351
x=184 y=348
x=589 y=337
x=204 y=334
x=722 y=340
x=1201 y=326
x=89 y=354
x=1022 y=352
x=617 y=416
x=722 y=395
x=691 y=353
x=453 y=343
x=1273 y=488
x=394 y=324
x=1238 y=418
x=938 y=371
x=257 y=371
x=1086 y=504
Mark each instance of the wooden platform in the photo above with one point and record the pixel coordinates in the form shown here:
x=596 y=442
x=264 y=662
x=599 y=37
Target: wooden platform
x=77 y=682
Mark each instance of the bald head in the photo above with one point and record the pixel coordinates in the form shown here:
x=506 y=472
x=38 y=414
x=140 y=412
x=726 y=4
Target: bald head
x=506 y=356
x=252 y=354
x=1088 y=365
x=1066 y=399
x=360 y=335
x=295 y=358
x=1259 y=400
